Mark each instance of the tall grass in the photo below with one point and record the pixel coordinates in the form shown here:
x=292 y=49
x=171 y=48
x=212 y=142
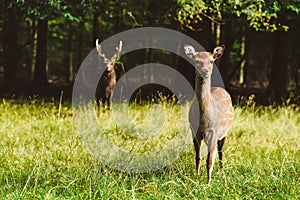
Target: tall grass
x=42 y=157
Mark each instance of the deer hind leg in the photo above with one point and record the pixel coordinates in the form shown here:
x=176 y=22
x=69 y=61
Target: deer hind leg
x=220 y=151
x=197 y=144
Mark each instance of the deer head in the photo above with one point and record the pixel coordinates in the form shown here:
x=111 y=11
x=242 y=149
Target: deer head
x=204 y=61
x=110 y=63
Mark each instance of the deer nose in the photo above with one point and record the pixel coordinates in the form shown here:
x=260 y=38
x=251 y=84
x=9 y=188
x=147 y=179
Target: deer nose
x=204 y=72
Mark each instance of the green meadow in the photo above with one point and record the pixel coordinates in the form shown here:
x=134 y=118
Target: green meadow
x=42 y=155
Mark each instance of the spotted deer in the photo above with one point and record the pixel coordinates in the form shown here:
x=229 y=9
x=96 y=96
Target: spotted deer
x=212 y=105
x=107 y=83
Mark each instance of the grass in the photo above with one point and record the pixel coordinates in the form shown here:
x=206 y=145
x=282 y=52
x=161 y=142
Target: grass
x=43 y=157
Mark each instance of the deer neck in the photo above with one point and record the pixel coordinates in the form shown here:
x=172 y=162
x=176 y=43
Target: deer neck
x=203 y=92
x=111 y=72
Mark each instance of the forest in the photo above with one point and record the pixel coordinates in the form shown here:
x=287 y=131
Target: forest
x=55 y=147
x=43 y=43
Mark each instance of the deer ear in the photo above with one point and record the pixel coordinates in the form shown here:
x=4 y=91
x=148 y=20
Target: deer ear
x=189 y=51
x=218 y=51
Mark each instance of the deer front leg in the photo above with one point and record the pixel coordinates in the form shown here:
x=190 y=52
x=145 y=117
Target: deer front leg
x=103 y=103
x=109 y=101
x=197 y=144
x=99 y=104
x=212 y=151
x=210 y=162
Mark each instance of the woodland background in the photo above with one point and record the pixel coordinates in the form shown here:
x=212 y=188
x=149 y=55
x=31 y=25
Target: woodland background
x=43 y=43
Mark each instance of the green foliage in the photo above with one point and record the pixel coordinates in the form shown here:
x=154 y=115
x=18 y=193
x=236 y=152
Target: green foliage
x=190 y=12
x=259 y=14
x=46 y=9
x=41 y=157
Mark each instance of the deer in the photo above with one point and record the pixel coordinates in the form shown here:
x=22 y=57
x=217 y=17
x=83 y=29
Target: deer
x=107 y=83
x=212 y=105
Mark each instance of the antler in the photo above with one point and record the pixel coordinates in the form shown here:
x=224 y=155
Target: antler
x=119 y=49
x=115 y=56
x=99 y=50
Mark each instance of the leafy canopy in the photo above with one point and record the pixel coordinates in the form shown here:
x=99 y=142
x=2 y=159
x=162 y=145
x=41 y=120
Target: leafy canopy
x=263 y=15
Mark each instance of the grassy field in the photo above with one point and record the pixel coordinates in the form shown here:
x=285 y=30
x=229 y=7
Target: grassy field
x=42 y=157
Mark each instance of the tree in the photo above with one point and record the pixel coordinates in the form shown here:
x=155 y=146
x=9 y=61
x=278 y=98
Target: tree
x=40 y=74
x=11 y=47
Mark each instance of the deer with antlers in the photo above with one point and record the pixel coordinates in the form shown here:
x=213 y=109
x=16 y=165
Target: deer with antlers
x=107 y=83
x=214 y=107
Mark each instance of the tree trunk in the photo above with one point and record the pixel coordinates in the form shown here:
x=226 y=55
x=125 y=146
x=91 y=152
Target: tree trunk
x=34 y=45
x=243 y=56
x=11 y=49
x=226 y=67
x=216 y=32
x=118 y=16
x=69 y=54
x=40 y=74
x=97 y=19
x=277 y=90
x=79 y=51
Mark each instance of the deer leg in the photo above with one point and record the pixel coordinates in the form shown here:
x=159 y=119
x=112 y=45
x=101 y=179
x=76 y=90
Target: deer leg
x=103 y=103
x=197 y=144
x=99 y=104
x=109 y=100
x=212 y=151
x=220 y=151
x=210 y=162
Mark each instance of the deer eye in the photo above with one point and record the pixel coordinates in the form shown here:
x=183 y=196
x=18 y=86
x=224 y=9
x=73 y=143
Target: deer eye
x=198 y=62
x=211 y=62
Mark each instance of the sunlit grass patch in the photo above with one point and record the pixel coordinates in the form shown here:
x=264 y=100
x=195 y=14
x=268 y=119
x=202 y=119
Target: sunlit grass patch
x=144 y=128
x=42 y=155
